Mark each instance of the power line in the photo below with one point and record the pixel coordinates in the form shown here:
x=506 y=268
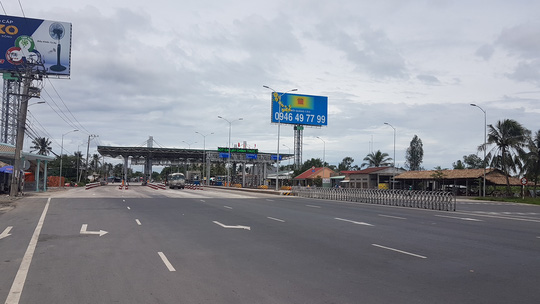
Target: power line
x=67 y=108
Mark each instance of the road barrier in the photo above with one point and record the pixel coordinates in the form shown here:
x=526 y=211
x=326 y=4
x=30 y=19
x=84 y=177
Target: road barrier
x=194 y=186
x=92 y=185
x=435 y=200
x=157 y=186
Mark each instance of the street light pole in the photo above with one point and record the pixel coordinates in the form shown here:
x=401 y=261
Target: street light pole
x=484 y=147
x=277 y=98
x=62 y=152
x=289 y=163
x=204 y=153
x=229 y=146
x=394 y=171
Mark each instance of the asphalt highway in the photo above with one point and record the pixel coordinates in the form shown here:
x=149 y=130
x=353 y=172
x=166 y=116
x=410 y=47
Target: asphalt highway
x=141 y=245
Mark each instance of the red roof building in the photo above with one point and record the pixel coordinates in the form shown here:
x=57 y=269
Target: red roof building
x=308 y=176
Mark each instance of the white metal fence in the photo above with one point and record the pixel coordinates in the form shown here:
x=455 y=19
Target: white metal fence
x=435 y=200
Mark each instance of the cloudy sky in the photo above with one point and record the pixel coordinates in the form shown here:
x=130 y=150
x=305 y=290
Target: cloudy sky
x=167 y=69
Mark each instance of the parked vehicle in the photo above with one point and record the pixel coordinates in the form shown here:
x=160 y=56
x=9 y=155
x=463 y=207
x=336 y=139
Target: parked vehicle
x=176 y=180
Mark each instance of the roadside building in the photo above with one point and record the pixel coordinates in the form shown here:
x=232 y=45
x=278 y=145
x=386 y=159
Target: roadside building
x=461 y=182
x=308 y=177
x=370 y=178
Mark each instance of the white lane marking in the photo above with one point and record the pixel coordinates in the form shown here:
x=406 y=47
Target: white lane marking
x=124 y=201
x=18 y=284
x=166 y=261
x=269 y=200
x=85 y=226
x=129 y=208
x=234 y=227
x=391 y=216
x=460 y=218
x=311 y=206
x=203 y=201
x=538 y=237
x=6 y=232
x=400 y=251
x=275 y=219
x=354 y=222
x=227 y=207
x=138 y=222
x=502 y=217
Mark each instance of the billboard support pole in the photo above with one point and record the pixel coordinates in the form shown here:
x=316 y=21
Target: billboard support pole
x=277 y=98
x=27 y=77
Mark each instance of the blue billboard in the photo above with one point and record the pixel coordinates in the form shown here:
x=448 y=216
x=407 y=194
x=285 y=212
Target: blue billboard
x=299 y=109
x=42 y=42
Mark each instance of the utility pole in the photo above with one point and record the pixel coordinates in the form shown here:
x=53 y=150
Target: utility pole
x=87 y=152
x=28 y=75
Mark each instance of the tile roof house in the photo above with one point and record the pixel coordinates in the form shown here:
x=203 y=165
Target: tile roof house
x=307 y=177
x=370 y=178
x=464 y=177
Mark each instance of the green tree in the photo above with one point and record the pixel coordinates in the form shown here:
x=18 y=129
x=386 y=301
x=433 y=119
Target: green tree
x=42 y=145
x=377 y=159
x=346 y=164
x=415 y=154
x=471 y=161
x=531 y=160
x=458 y=165
x=508 y=138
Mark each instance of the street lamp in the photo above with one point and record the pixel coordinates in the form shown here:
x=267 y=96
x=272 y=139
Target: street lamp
x=289 y=163
x=204 y=152
x=189 y=144
x=394 y=171
x=323 y=155
x=277 y=98
x=229 y=146
x=485 y=139
x=62 y=152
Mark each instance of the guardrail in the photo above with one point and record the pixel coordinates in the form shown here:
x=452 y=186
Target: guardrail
x=435 y=200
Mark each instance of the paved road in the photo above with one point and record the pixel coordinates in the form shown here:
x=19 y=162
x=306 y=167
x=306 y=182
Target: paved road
x=215 y=246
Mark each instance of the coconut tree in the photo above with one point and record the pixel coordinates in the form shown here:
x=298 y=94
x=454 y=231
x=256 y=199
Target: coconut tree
x=531 y=159
x=376 y=159
x=508 y=138
x=42 y=145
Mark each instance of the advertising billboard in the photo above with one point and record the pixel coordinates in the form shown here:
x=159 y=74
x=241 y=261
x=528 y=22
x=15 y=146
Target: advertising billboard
x=35 y=41
x=299 y=109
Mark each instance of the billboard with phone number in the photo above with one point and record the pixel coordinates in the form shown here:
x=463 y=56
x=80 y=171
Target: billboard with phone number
x=35 y=41
x=299 y=109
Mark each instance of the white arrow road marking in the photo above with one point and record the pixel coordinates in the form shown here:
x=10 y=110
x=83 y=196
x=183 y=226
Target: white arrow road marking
x=6 y=232
x=233 y=227
x=354 y=222
x=85 y=226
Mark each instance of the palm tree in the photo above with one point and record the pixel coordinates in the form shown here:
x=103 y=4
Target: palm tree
x=42 y=145
x=377 y=159
x=531 y=160
x=509 y=138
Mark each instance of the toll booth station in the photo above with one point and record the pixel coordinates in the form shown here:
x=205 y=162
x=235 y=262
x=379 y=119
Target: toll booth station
x=150 y=156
